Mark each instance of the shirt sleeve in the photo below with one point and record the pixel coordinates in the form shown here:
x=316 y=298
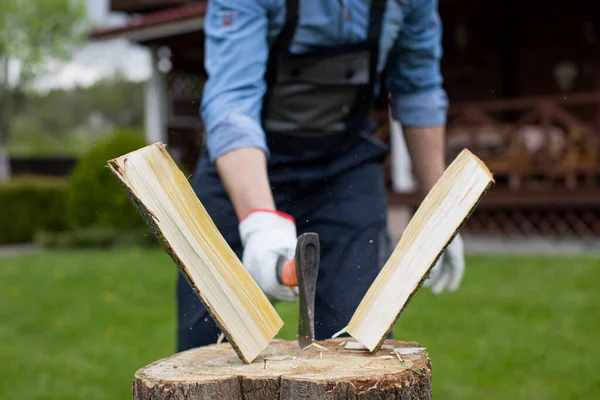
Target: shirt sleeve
x=236 y=53
x=417 y=97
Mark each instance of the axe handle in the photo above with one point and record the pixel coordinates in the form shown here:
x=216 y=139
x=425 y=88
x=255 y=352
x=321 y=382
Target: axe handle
x=287 y=272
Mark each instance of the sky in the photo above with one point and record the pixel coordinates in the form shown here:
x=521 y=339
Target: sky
x=98 y=59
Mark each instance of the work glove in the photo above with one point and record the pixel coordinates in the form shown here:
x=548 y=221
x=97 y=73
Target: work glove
x=448 y=272
x=267 y=236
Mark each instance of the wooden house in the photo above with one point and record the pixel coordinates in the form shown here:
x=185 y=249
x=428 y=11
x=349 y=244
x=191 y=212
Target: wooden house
x=523 y=79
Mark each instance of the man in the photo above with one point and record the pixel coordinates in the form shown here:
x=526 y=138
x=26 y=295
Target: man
x=289 y=143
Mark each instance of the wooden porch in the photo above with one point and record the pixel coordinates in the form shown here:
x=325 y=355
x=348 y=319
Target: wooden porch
x=545 y=155
x=533 y=143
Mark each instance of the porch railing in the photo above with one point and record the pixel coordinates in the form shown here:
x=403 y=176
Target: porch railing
x=545 y=155
x=536 y=142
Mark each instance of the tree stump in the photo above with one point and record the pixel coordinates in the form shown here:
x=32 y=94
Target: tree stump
x=285 y=371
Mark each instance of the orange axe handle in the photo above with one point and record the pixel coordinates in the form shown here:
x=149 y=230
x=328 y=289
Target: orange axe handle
x=307 y=254
x=286 y=271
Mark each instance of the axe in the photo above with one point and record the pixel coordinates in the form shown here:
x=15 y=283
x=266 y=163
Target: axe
x=302 y=271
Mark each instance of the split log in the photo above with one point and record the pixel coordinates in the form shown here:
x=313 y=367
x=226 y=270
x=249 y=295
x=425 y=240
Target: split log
x=167 y=202
x=283 y=371
x=437 y=221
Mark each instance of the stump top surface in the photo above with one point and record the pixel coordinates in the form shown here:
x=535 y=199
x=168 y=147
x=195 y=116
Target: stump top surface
x=286 y=358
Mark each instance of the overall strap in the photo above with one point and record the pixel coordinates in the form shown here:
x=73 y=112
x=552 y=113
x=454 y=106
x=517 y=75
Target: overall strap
x=282 y=43
x=375 y=27
x=284 y=39
x=366 y=96
x=376 y=18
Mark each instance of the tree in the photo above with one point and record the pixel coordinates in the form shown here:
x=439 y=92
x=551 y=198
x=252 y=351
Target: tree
x=32 y=33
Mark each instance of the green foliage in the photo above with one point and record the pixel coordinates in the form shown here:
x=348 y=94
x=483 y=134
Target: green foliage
x=92 y=237
x=37 y=31
x=29 y=205
x=32 y=35
x=119 y=100
x=28 y=140
x=95 y=196
x=69 y=122
x=96 y=238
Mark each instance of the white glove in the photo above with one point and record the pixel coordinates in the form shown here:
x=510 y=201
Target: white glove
x=266 y=236
x=448 y=272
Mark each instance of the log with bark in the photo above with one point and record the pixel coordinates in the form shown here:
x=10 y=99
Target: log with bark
x=167 y=202
x=329 y=369
x=437 y=221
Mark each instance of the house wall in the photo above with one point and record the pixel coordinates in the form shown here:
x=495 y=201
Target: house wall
x=499 y=49
x=511 y=48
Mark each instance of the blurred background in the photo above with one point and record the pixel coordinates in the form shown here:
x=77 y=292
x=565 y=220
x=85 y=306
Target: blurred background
x=87 y=297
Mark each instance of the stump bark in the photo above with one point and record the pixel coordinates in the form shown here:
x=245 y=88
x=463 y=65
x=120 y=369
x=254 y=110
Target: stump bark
x=284 y=371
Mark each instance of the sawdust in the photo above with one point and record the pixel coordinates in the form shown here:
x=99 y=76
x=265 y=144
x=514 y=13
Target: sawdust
x=287 y=359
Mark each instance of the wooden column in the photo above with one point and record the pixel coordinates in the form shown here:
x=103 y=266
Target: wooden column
x=156 y=103
x=284 y=371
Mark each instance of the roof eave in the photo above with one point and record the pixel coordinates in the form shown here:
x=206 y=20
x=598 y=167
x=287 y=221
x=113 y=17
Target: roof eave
x=158 y=25
x=144 y=34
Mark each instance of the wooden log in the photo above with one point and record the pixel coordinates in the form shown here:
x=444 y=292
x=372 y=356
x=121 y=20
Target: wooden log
x=167 y=202
x=285 y=371
x=434 y=225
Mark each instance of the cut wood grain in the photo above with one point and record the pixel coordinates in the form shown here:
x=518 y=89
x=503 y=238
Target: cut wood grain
x=283 y=371
x=167 y=202
x=436 y=222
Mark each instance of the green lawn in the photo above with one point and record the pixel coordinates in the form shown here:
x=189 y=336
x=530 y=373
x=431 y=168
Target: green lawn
x=78 y=325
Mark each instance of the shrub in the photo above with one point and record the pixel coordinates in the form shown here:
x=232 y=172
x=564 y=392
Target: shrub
x=96 y=238
x=30 y=204
x=95 y=196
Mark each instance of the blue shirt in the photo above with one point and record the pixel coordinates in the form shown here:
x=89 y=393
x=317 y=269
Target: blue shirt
x=236 y=52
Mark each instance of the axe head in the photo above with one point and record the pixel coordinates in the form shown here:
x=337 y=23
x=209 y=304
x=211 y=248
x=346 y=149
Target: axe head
x=307 y=260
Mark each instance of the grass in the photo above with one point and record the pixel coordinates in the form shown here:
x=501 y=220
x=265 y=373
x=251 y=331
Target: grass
x=78 y=325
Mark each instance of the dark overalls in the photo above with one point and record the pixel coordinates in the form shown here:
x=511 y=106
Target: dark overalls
x=325 y=169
